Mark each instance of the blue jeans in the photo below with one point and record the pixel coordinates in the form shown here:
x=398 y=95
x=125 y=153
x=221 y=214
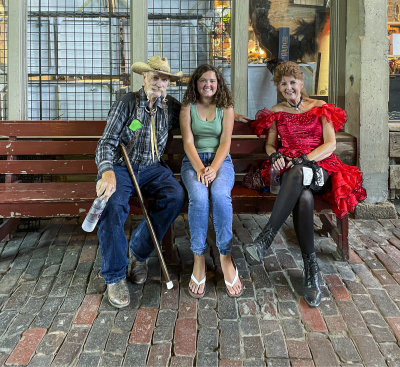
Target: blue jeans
x=199 y=195
x=156 y=182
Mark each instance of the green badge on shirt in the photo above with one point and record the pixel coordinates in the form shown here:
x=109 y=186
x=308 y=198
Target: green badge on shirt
x=135 y=125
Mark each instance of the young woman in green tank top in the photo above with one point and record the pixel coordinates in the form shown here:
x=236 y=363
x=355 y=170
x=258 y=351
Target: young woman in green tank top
x=207 y=172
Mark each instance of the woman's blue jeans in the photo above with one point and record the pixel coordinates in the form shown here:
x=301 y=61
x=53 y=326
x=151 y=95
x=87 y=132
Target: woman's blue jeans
x=156 y=182
x=219 y=194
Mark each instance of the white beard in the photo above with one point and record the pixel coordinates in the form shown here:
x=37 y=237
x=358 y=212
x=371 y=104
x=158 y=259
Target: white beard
x=150 y=91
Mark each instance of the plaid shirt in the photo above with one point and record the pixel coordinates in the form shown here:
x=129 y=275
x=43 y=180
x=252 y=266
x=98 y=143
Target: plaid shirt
x=138 y=143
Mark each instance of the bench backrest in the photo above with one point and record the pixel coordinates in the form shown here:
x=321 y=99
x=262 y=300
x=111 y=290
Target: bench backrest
x=58 y=148
x=49 y=147
x=248 y=150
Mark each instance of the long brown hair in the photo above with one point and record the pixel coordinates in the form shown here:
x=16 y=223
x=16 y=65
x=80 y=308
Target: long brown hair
x=222 y=98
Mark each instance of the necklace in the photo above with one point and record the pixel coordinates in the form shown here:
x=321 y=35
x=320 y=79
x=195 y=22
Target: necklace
x=153 y=138
x=150 y=111
x=297 y=105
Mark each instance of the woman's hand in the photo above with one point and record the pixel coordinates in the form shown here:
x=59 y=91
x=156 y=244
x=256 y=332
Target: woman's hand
x=242 y=118
x=107 y=185
x=289 y=163
x=201 y=175
x=280 y=163
x=278 y=160
x=206 y=175
x=210 y=175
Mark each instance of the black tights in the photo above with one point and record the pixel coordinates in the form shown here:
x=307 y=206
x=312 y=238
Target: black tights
x=294 y=196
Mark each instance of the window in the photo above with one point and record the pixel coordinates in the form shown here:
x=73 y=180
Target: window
x=78 y=57
x=190 y=33
x=79 y=50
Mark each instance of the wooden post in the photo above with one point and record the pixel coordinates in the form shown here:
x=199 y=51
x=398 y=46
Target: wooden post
x=17 y=78
x=138 y=40
x=239 y=54
x=17 y=61
x=337 y=53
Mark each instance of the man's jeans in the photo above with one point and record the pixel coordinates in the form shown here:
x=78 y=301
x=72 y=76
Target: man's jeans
x=156 y=182
x=219 y=192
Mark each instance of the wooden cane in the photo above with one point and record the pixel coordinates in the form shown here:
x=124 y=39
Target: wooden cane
x=170 y=285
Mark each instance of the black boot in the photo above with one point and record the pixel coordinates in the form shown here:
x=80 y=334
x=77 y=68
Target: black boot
x=257 y=250
x=312 y=287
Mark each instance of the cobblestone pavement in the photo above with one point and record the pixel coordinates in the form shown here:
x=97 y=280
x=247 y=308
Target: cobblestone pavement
x=53 y=311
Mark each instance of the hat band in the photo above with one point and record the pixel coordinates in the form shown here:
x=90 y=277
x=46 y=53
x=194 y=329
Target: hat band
x=162 y=70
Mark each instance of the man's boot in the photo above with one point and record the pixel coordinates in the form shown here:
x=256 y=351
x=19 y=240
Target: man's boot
x=312 y=287
x=139 y=271
x=257 y=250
x=118 y=294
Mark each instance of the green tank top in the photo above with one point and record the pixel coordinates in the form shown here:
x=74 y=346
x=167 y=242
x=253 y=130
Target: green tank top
x=206 y=134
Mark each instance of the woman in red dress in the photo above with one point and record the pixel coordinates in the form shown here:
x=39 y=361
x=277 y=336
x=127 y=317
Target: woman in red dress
x=306 y=128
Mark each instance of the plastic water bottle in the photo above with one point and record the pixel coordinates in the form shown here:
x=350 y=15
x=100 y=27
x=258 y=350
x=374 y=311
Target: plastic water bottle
x=93 y=215
x=274 y=183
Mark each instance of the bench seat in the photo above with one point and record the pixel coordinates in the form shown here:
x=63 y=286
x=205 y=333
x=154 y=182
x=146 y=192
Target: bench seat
x=48 y=170
x=20 y=200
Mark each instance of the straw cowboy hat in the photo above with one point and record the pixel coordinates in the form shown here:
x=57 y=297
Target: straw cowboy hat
x=158 y=64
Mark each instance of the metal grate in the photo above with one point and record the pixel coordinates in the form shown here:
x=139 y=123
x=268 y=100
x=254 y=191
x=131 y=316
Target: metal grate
x=78 y=57
x=190 y=33
x=3 y=58
x=78 y=50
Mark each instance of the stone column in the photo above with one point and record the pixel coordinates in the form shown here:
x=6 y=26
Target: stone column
x=367 y=88
x=138 y=42
x=17 y=61
x=239 y=58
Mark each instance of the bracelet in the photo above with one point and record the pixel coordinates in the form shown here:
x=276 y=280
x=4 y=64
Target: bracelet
x=274 y=157
x=300 y=160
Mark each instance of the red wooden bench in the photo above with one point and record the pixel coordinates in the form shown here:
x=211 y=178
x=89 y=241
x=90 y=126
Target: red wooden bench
x=48 y=170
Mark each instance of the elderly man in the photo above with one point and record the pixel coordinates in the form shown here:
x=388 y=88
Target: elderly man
x=140 y=121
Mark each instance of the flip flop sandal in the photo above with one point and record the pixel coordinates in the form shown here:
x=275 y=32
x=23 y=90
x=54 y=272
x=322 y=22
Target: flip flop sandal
x=235 y=279
x=197 y=295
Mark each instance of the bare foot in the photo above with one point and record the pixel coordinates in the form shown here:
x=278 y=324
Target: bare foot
x=229 y=271
x=199 y=272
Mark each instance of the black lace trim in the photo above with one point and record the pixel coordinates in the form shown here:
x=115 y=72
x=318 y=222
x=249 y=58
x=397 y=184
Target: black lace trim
x=275 y=156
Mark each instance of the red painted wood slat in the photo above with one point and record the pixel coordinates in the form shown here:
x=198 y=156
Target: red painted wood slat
x=50 y=209
x=35 y=147
x=52 y=128
x=48 y=167
x=49 y=191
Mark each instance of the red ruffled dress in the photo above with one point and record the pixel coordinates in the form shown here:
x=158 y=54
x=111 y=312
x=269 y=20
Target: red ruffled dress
x=300 y=134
